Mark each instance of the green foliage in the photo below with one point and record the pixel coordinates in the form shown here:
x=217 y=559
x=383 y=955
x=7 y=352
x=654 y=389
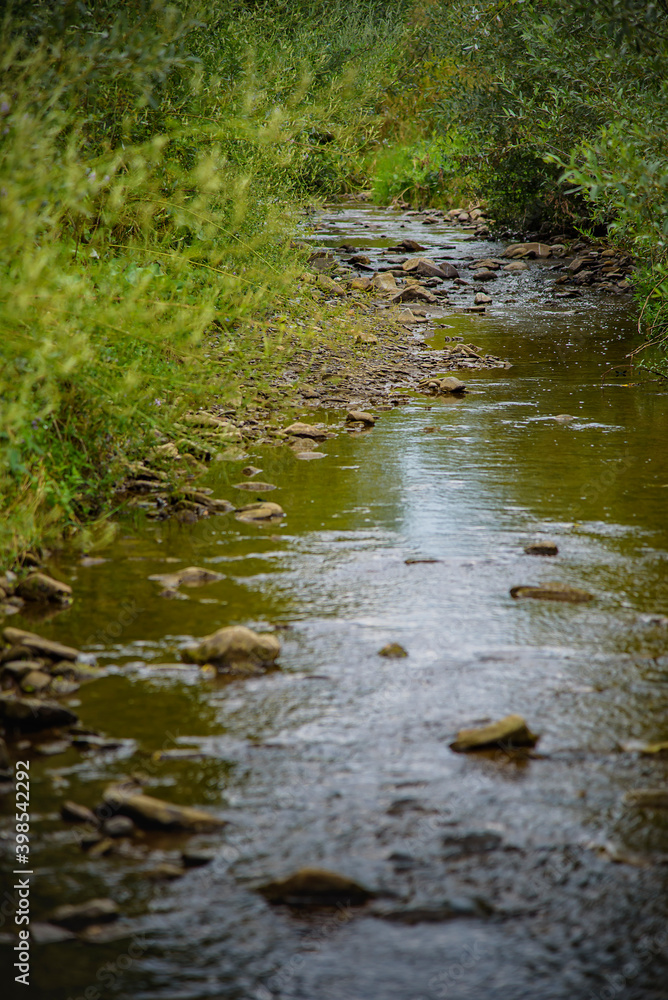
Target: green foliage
x=150 y=157
x=428 y=172
x=563 y=107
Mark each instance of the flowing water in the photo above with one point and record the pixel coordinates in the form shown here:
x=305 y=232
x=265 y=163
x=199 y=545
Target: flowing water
x=341 y=758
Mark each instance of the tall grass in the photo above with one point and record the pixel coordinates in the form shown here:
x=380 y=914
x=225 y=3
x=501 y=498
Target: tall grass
x=151 y=157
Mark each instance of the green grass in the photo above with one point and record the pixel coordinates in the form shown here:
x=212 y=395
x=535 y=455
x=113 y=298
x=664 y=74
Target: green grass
x=152 y=157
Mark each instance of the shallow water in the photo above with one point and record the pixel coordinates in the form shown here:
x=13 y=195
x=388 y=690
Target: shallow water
x=341 y=758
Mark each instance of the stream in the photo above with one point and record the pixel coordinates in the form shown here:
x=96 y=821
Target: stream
x=536 y=877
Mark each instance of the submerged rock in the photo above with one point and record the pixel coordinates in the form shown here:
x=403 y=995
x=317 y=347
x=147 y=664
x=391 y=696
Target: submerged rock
x=235 y=649
x=76 y=916
x=45 y=590
x=316 y=887
x=542 y=549
x=255 y=487
x=191 y=576
x=448 y=909
x=509 y=732
x=552 y=592
x=156 y=814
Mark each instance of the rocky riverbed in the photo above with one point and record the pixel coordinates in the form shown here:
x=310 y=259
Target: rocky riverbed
x=373 y=706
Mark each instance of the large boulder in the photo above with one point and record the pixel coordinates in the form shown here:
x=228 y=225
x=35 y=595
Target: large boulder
x=235 y=650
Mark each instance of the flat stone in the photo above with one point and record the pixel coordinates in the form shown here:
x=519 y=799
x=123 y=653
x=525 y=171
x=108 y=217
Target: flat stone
x=552 y=592
x=191 y=576
x=449 y=909
x=79 y=915
x=33 y=714
x=509 y=732
x=44 y=933
x=255 y=487
x=36 y=645
x=315 y=887
x=236 y=649
x=306 y=456
x=263 y=511
x=72 y=812
x=251 y=470
x=485 y=275
x=40 y=588
x=165 y=872
x=307 y=430
x=53 y=747
x=16 y=669
x=516 y=265
x=153 y=813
